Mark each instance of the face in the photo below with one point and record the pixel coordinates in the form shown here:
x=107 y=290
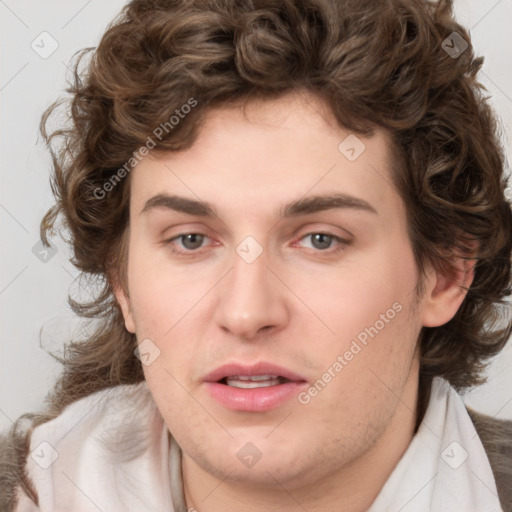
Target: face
x=280 y=320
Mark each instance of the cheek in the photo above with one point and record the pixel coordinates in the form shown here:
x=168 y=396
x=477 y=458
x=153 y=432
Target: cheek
x=362 y=301
x=162 y=295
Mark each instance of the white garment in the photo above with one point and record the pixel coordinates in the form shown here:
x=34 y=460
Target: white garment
x=445 y=467
x=114 y=455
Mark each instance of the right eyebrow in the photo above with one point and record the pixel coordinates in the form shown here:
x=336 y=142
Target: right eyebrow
x=180 y=204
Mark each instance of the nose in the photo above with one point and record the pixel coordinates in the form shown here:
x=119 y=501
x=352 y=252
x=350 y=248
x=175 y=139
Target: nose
x=251 y=301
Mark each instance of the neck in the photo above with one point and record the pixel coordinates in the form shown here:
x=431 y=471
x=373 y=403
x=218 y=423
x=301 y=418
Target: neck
x=352 y=488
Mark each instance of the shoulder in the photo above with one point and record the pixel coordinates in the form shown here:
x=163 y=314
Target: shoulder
x=496 y=437
x=15 y=487
x=111 y=427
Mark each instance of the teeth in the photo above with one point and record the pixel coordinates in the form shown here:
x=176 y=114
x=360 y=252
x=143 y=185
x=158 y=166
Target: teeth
x=255 y=378
x=254 y=381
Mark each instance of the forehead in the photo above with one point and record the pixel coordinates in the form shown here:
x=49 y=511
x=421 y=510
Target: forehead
x=270 y=152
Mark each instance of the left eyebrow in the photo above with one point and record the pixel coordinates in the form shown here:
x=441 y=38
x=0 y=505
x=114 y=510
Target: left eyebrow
x=313 y=204
x=304 y=206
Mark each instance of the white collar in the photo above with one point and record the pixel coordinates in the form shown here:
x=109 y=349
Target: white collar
x=111 y=451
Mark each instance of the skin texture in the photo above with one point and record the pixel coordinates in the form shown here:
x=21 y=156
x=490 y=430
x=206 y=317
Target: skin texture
x=296 y=305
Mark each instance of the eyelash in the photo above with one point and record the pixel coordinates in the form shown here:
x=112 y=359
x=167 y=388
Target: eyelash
x=341 y=247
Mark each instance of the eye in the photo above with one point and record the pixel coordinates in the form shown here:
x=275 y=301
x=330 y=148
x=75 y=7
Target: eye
x=186 y=243
x=190 y=242
x=323 y=241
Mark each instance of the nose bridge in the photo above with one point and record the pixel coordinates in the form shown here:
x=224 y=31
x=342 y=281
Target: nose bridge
x=250 y=298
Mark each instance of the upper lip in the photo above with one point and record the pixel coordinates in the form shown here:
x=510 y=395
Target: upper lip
x=260 y=368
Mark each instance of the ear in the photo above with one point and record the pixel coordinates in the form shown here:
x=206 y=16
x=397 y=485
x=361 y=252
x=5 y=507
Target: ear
x=123 y=300
x=444 y=293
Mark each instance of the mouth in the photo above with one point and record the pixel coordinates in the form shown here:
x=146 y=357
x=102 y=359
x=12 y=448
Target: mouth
x=255 y=388
x=254 y=381
x=260 y=372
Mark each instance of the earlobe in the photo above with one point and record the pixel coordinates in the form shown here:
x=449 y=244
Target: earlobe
x=124 y=303
x=444 y=294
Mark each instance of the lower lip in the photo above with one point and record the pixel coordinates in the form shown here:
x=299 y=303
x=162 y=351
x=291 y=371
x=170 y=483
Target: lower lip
x=255 y=399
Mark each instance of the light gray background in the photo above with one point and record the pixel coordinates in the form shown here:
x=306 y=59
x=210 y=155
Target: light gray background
x=32 y=293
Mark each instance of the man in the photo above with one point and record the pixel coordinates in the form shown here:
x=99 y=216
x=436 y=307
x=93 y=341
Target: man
x=298 y=210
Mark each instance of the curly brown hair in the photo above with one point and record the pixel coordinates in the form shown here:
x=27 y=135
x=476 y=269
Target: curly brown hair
x=375 y=63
